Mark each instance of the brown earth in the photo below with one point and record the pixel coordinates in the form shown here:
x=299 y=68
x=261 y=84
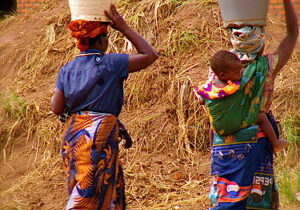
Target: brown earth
x=168 y=166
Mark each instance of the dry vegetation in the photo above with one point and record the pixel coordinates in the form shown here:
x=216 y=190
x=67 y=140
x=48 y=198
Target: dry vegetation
x=168 y=166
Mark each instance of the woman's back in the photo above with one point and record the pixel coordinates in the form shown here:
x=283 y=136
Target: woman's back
x=93 y=81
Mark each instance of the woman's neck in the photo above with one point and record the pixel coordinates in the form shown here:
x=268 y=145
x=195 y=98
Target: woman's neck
x=97 y=48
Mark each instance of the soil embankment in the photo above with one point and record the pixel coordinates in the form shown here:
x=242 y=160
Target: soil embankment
x=168 y=166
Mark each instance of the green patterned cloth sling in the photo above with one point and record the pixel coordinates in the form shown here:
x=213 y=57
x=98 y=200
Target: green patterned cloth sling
x=232 y=113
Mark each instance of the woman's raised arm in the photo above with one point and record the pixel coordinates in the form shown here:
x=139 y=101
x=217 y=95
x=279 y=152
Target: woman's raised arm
x=146 y=54
x=287 y=45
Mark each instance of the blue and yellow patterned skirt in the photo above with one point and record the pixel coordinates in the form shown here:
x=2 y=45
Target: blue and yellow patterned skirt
x=242 y=165
x=90 y=154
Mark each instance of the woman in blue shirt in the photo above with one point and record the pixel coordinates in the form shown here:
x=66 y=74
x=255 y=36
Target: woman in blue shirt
x=90 y=87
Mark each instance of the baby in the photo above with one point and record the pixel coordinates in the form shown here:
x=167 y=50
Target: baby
x=225 y=87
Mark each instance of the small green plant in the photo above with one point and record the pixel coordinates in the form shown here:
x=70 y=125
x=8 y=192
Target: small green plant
x=188 y=38
x=15 y=106
x=288 y=166
x=182 y=41
x=291 y=127
x=123 y=3
x=286 y=186
x=178 y=2
x=289 y=185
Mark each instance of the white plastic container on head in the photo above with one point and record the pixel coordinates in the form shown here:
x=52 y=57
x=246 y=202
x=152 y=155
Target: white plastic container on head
x=92 y=10
x=244 y=12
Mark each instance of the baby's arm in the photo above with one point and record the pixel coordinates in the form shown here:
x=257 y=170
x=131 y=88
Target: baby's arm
x=267 y=128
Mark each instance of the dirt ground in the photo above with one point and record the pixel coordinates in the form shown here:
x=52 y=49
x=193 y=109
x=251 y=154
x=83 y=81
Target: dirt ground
x=161 y=170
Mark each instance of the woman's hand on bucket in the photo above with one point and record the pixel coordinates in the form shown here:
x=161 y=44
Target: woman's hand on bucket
x=117 y=21
x=146 y=54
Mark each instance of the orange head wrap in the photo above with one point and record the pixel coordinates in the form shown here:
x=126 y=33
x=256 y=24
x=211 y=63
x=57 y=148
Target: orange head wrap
x=84 y=30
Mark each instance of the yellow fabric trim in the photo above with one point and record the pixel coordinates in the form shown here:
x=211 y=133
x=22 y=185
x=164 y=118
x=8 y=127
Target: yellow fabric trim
x=86 y=54
x=244 y=142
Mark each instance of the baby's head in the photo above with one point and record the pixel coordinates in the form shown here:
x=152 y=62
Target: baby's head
x=226 y=65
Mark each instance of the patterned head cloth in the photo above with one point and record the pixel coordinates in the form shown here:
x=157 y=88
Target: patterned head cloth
x=84 y=30
x=247 y=41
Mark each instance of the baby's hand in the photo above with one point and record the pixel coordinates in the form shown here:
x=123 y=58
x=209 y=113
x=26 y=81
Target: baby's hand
x=199 y=97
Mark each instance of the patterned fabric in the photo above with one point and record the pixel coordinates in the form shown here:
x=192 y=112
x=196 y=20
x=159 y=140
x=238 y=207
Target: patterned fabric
x=210 y=91
x=90 y=153
x=247 y=41
x=269 y=83
x=244 y=105
x=83 y=30
x=243 y=169
x=242 y=164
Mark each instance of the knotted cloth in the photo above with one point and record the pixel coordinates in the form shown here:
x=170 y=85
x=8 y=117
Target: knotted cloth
x=84 y=30
x=247 y=41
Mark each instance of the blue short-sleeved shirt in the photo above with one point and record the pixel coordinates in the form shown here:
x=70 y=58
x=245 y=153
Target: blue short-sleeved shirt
x=93 y=81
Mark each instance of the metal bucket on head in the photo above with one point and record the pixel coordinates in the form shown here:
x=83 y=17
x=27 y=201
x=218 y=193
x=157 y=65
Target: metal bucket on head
x=91 y=10
x=237 y=13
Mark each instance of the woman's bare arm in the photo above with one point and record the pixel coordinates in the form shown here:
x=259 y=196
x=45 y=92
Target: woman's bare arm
x=287 y=45
x=58 y=102
x=146 y=54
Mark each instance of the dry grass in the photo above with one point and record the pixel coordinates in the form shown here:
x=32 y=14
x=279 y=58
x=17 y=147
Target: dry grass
x=168 y=166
